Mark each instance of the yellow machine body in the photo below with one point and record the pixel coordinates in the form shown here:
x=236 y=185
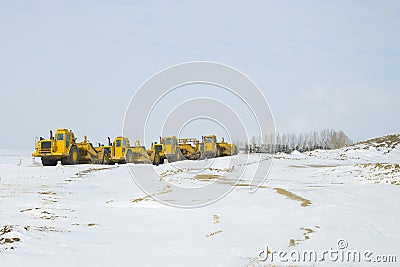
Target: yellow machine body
x=171 y=148
x=63 y=147
x=119 y=149
x=209 y=146
x=226 y=149
x=122 y=152
x=140 y=155
x=156 y=154
x=190 y=148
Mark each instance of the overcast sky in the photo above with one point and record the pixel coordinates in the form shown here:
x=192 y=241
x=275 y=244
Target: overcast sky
x=76 y=64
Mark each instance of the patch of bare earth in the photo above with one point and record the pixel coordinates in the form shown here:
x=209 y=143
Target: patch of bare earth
x=303 y=201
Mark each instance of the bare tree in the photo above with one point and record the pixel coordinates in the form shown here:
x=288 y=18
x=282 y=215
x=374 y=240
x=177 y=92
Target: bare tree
x=285 y=142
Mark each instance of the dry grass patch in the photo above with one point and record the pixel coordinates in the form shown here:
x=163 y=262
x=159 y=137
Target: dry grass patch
x=304 y=202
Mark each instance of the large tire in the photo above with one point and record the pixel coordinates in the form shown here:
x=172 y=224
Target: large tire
x=73 y=156
x=129 y=157
x=49 y=162
x=156 y=159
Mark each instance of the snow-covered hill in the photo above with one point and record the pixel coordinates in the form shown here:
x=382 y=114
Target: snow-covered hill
x=94 y=215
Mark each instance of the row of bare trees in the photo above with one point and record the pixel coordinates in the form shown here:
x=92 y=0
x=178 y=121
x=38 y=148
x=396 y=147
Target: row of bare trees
x=325 y=139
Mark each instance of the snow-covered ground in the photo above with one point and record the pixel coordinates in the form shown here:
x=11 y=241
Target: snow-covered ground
x=95 y=215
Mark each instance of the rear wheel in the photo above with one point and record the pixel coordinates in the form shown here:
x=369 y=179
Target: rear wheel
x=49 y=162
x=198 y=156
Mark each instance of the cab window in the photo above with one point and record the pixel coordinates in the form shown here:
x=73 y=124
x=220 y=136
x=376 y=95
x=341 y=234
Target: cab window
x=124 y=143
x=60 y=137
x=211 y=139
x=168 y=141
x=118 y=143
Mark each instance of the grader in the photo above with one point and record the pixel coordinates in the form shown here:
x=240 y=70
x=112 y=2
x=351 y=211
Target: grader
x=63 y=147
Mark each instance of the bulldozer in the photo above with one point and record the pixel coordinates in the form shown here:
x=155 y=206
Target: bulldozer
x=63 y=147
x=226 y=149
x=171 y=148
x=190 y=148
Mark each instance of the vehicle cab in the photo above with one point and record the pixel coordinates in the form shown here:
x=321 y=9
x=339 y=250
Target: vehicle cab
x=57 y=145
x=119 y=148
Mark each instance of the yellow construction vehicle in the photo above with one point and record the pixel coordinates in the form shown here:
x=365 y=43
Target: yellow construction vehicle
x=119 y=150
x=122 y=152
x=226 y=149
x=171 y=148
x=63 y=147
x=209 y=146
x=190 y=148
x=156 y=153
x=140 y=154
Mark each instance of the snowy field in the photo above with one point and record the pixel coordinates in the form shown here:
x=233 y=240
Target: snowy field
x=95 y=215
